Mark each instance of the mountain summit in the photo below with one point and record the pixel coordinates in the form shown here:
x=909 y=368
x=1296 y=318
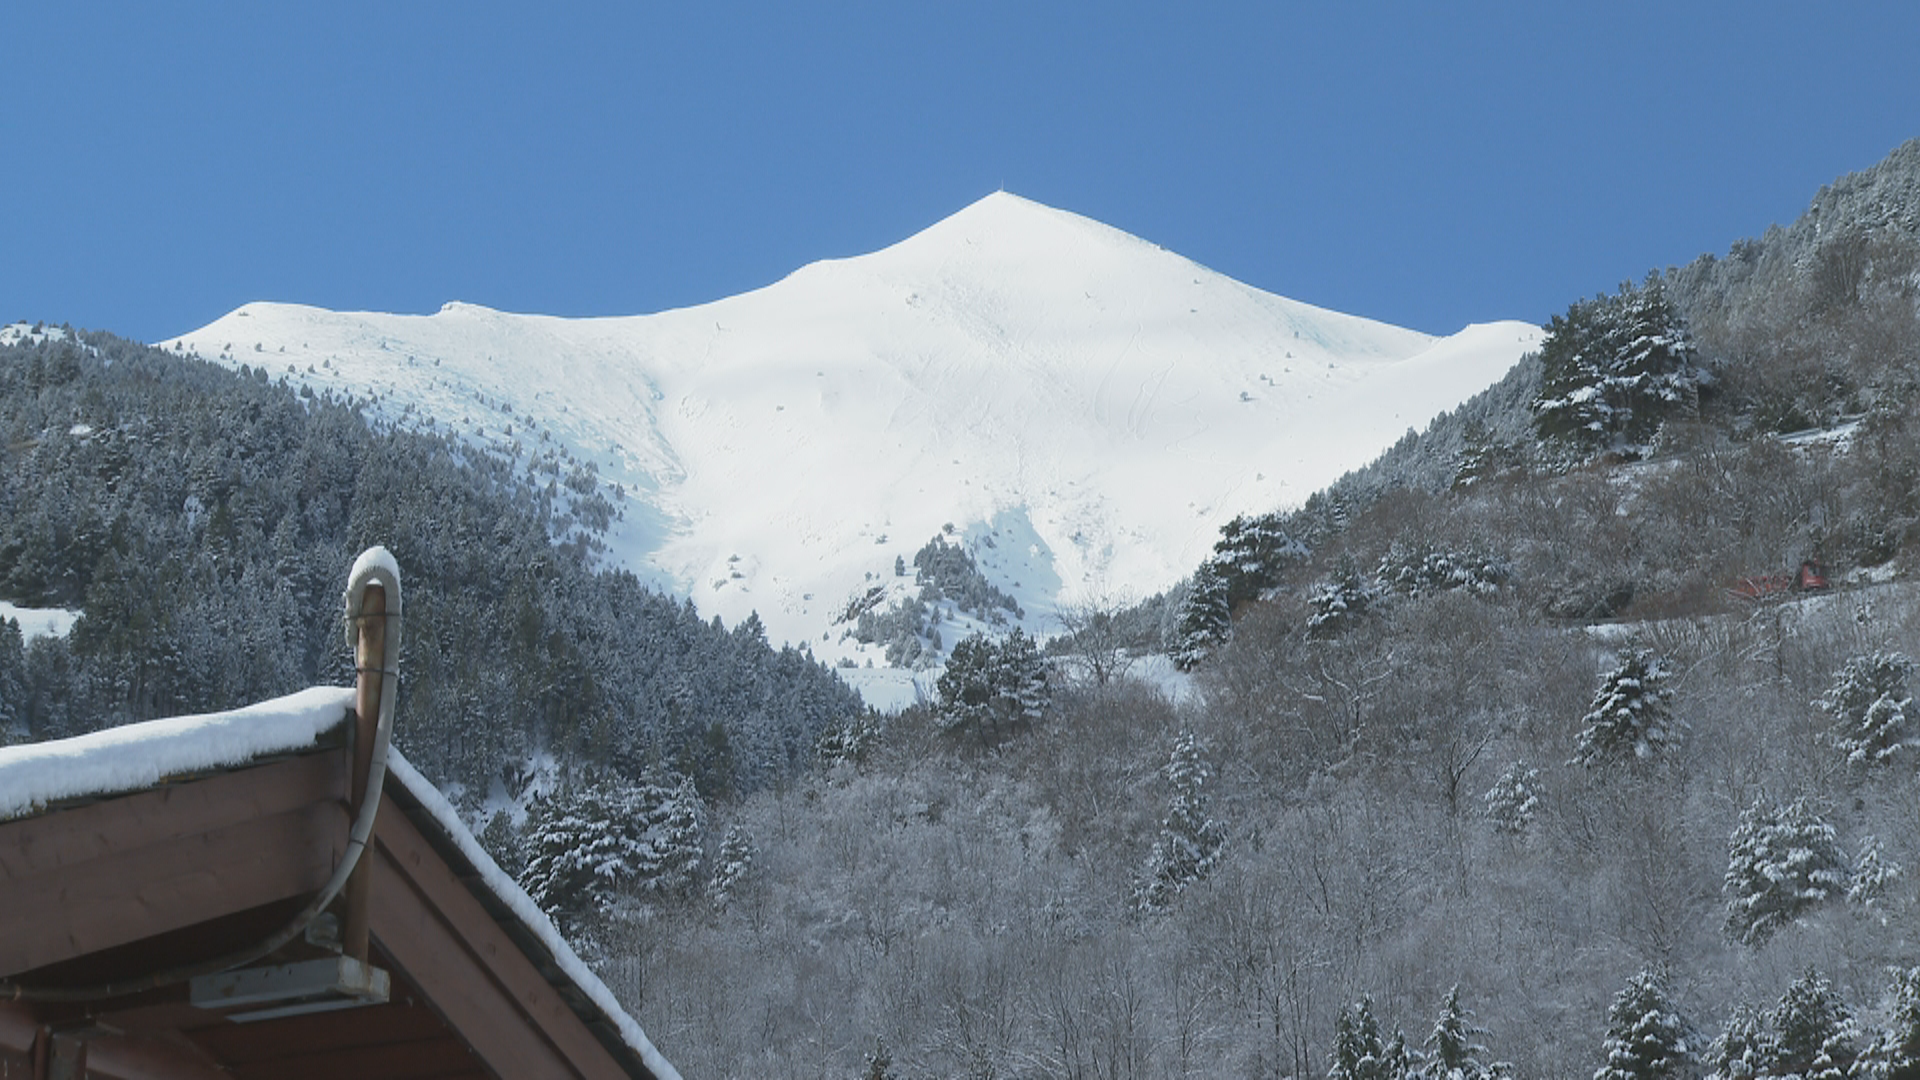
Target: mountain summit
x=1080 y=407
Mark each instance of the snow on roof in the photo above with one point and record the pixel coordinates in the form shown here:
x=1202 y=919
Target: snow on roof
x=509 y=891
x=138 y=756
x=141 y=755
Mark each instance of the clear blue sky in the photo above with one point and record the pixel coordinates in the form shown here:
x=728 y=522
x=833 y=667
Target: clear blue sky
x=1425 y=164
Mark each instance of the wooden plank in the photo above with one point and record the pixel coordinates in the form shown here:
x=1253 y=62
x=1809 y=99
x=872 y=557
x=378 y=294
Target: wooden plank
x=114 y=826
x=139 y=892
x=408 y=928
x=408 y=852
x=118 y=1057
x=443 y=1056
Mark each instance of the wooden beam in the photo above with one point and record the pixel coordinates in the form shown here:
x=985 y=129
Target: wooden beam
x=114 y=826
x=474 y=974
x=120 y=1057
x=104 y=902
x=445 y=1056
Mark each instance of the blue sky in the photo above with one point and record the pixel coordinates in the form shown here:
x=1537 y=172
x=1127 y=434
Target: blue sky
x=1424 y=164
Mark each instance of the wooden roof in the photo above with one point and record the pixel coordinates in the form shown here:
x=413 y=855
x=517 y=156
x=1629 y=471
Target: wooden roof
x=110 y=887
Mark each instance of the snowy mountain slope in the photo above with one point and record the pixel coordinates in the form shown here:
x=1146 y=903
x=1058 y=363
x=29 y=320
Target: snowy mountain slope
x=1093 y=405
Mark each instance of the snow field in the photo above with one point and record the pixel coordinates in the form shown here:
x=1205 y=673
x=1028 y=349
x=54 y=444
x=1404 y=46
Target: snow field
x=1084 y=397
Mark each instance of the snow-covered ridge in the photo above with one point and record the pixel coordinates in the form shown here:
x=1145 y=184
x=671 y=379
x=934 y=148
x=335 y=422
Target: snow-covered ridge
x=1091 y=405
x=25 y=333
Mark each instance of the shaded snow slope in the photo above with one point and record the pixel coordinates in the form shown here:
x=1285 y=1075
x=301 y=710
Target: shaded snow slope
x=1094 y=405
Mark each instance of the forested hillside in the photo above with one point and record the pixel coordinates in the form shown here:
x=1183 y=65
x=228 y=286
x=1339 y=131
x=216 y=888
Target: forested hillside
x=1487 y=757
x=204 y=521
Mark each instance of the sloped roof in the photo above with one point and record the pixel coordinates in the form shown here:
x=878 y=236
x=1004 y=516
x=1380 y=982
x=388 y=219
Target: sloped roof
x=40 y=778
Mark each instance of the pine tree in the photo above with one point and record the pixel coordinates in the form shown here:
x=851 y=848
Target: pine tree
x=849 y=742
x=1511 y=801
x=733 y=867
x=1873 y=876
x=676 y=842
x=1451 y=1052
x=1783 y=861
x=1359 y=1053
x=965 y=690
x=1646 y=1038
x=1251 y=554
x=1630 y=716
x=1206 y=618
x=1613 y=369
x=989 y=687
x=1894 y=1054
x=582 y=845
x=1744 y=1047
x=502 y=841
x=1340 y=602
x=1020 y=679
x=1190 y=841
x=1868 y=702
x=1812 y=1032
x=1418 y=568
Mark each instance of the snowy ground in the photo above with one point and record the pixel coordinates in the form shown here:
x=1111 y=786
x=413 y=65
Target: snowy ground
x=1084 y=407
x=39 y=622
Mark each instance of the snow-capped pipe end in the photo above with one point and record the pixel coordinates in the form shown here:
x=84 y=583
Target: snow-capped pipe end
x=375 y=566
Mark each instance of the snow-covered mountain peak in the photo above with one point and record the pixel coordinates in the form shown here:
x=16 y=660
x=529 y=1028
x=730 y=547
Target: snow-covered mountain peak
x=1080 y=406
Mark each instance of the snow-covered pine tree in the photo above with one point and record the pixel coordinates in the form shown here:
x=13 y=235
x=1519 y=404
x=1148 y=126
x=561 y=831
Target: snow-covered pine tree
x=1020 y=678
x=1894 y=1053
x=1206 y=619
x=1613 y=369
x=993 y=687
x=1743 y=1049
x=1359 y=1053
x=676 y=841
x=732 y=867
x=1511 y=801
x=1873 y=876
x=502 y=841
x=1418 y=568
x=1812 y=1032
x=1340 y=602
x=849 y=741
x=584 y=843
x=1251 y=554
x=1631 y=714
x=965 y=690
x=1868 y=702
x=1452 y=1052
x=1646 y=1038
x=1782 y=862
x=1190 y=841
